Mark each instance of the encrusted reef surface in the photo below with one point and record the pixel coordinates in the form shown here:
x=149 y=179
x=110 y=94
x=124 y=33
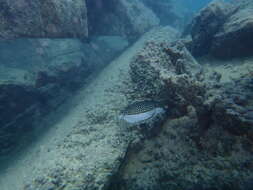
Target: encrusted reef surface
x=206 y=142
x=223 y=29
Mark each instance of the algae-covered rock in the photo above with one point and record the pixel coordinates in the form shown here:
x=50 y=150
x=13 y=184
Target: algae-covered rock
x=126 y=18
x=160 y=65
x=206 y=24
x=234 y=38
x=233 y=111
x=196 y=148
x=74 y=19
x=173 y=160
x=223 y=30
x=43 y=18
x=164 y=10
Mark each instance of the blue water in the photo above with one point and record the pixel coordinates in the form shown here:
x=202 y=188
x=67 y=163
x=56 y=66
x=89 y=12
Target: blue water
x=42 y=73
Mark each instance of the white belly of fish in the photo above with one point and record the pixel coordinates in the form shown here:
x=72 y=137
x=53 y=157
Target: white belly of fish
x=136 y=118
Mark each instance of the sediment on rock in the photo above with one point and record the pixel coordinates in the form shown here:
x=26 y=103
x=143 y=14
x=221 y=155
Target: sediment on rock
x=43 y=19
x=125 y=18
x=92 y=151
x=207 y=133
x=223 y=30
x=54 y=70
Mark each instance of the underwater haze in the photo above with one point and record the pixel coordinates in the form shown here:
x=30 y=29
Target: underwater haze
x=126 y=95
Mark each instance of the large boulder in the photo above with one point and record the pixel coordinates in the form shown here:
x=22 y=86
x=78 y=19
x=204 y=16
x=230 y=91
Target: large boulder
x=165 y=71
x=234 y=38
x=164 y=10
x=44 y=72
x=205 y=143
x=205 y=25
x=126 y=18
x=43 y=18
x=223 y=30
x=71 y=19
x=194 y=149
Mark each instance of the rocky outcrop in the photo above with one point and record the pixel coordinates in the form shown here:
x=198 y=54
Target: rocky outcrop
x=206 y=24
x=196 y=148
x=234 y=38
x=206 y=142
x=40 y=76
x=234 y=110
x=125 y=18
x=171 y=12
x=173 y=161
x=223 y=30
x=68 y=19
x=164 y=11
x=160 y=67
x=43 y=19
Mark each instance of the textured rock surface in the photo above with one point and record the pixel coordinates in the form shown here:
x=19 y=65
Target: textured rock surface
x=172 y=160
x=235 y=36
x=206 y=143
x=234 y=110
x=206 y=24
x=123 y=17
x=160 y=67
x=164 y=11
x=48 y=18
x=85 y=145
x=41 y=74
x=231 y=95
x=223 y=30
x=71 y=19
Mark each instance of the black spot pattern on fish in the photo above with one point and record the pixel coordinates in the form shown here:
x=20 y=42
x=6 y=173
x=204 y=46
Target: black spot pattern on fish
x=139 y=107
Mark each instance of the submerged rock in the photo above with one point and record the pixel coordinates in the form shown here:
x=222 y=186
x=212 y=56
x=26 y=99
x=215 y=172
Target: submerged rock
x=160 y=68
x=74 y=19
x=206 y=24
x=234 y=38
x=41 y=75
x=206 y=141
x=47 y=18
x=233 y=111
x=223 y=30
x=165 y=11
x=120 y=17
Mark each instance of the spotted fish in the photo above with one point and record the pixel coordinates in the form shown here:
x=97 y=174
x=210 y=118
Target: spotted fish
x=141 y=111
